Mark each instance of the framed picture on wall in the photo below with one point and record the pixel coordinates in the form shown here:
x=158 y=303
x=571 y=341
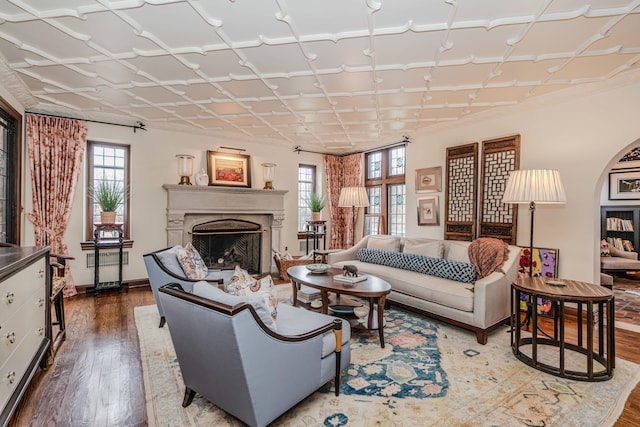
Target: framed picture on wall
x=624 y=185
x=428 y=211
x=429 y=180
x=227 y=169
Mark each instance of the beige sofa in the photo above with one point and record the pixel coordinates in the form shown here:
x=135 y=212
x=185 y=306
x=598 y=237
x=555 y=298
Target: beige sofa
x=475 y=306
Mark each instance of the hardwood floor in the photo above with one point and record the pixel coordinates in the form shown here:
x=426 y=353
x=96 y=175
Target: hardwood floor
x=96 y=378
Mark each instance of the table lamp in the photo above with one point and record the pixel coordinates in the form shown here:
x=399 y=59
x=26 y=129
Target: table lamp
x=354 y=197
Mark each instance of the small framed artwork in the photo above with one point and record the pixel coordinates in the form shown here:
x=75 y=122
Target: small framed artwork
x=545 y=262
x=624 y=185
x=226 y=169
x=429 y=180
x=428 y=211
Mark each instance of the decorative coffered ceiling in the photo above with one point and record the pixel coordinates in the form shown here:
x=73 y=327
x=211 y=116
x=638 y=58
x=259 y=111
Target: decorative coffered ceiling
x=330 y=75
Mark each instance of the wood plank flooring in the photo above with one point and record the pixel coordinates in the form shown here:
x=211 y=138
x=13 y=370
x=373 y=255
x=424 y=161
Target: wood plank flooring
x=96 y=379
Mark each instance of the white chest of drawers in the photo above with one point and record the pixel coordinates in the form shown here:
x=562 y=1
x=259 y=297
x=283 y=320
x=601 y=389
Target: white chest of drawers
x=24 y=331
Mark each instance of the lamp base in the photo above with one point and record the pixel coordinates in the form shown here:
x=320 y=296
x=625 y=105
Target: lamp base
x=184 y=180
x=268 y=185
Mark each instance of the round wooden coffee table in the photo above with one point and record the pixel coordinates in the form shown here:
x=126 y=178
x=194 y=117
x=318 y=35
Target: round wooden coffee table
x=374 y=289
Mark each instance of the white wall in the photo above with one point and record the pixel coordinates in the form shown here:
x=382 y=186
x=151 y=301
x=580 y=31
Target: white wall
x=581 y=138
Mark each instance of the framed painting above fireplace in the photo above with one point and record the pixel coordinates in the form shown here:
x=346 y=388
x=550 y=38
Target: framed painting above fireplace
x=227 y=169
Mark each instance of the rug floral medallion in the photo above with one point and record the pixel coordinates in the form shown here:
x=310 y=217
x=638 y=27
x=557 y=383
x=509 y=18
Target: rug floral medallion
x=428 y=374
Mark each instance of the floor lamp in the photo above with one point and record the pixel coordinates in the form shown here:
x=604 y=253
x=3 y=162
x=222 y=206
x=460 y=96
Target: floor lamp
x=353 y=197
x=538 y=186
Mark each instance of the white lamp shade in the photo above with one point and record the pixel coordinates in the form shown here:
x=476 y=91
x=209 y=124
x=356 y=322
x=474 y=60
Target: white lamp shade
x=536 y=185
x=353 y=197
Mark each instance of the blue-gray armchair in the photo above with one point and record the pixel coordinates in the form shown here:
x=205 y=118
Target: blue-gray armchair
x=229 y=355
x=163 y=267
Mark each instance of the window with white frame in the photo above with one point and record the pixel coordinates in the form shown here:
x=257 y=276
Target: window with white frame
x=306 y=186
x=107 y=163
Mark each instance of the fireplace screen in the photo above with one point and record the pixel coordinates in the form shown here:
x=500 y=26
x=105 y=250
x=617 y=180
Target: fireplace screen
x=226 y=243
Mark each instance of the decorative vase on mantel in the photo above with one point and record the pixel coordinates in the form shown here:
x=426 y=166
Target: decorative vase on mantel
x=108 y=217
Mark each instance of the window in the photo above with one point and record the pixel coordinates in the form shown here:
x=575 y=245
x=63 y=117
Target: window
x=107 y=163
x=306 y=186
x=10 y=125
x=385 y=182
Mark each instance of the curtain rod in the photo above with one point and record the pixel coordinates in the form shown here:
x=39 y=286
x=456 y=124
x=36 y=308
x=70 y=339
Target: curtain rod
x=405 y=140
x=138 y=125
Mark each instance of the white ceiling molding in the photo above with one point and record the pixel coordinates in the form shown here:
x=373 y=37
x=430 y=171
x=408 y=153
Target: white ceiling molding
x=331 y=76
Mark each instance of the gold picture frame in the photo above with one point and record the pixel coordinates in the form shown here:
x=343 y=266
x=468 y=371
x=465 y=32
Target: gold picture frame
x=229 y=170
x=429 y=180
x=428 y=213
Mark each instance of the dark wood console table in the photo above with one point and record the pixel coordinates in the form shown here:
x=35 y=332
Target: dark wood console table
x=585 y=297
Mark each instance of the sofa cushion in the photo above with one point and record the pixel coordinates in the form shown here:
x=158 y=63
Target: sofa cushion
x=458 y=252
x=206 y=290
x=436 y=290
x=384 y=243
x=243 y=284
x=169 y=259
x=191 y=262
x=604 y=248
x=430 y=249
x=296 y=320
x=457 y=271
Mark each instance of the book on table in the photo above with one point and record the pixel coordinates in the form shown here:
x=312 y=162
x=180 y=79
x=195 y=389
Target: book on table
x=350 y=279
x=307 y=294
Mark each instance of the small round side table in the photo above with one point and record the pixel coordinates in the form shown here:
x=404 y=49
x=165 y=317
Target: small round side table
x=585 y=297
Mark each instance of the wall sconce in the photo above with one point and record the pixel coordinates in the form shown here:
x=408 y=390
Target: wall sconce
x=268 y=174
x=185 y=168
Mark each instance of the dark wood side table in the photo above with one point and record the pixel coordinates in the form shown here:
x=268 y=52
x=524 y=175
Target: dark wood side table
x=585 y=297
x=102 y=242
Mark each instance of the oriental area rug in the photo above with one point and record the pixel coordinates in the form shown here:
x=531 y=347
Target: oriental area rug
x=428 y=374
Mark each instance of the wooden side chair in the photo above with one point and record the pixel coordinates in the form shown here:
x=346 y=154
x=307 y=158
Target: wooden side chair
x=57 y=265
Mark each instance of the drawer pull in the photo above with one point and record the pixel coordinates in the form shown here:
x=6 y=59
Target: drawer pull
x=40 y=274
x=11 y=336
x=11 y=377
x=40 y=302
x=10 y=297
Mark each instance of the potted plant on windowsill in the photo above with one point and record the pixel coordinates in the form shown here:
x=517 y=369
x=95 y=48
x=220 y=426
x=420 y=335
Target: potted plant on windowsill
x=108 y=195
x=316 y=204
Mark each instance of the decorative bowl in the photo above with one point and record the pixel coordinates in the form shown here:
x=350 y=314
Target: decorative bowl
x=317 y=268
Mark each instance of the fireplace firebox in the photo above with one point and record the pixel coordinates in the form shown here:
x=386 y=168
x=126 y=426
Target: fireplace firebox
x=226 y=243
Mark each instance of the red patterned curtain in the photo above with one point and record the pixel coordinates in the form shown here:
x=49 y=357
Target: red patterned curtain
x=56 y=147
x=341 y=172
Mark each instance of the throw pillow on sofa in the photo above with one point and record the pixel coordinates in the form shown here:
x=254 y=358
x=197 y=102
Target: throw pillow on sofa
x=430 y=249
x=391 y=244
x=206 y=290
x=604 y=248
x=191 y=262
x=447 y=269
x=243 y=284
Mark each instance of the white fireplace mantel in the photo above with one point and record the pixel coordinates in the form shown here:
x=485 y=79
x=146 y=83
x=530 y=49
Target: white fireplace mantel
x=202 y=202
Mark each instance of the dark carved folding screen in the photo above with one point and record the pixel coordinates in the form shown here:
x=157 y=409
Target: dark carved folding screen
x=461 y=192
x=499 y=157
